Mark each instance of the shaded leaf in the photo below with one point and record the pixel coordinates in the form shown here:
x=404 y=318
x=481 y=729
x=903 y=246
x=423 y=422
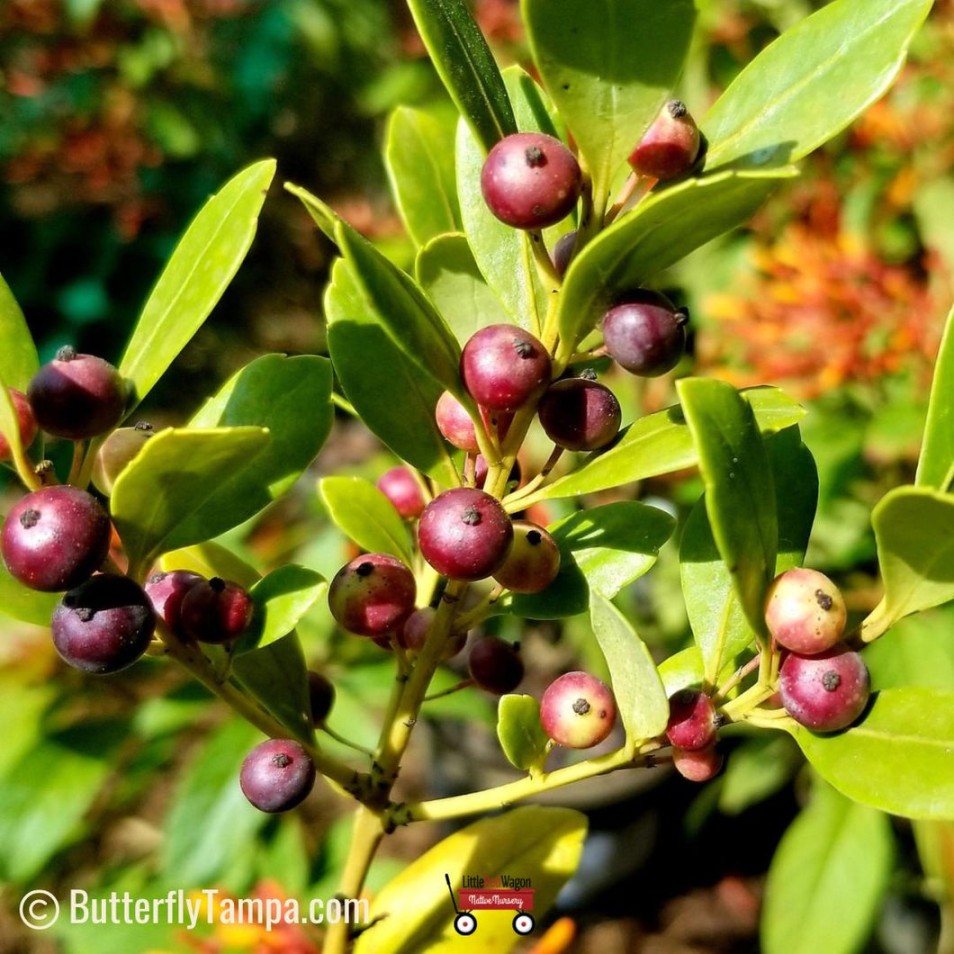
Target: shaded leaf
x=366 y=516
x=18 y=357
x=281 y=599
x=521 y=735
x=936 y=463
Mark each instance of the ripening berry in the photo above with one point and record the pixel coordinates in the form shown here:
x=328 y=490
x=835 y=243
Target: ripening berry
x=578 y=414
x=645 y=334
x=495 y=666
x=216 y=611
x=77 y=395
x=455 y=423
x=372 y=595
x=277 y=775
x=465 y=534
x=533 y=561
x=577 y=710
x=401 y=487
x=116 y=452
x=804 y=611
x=413 y=634
x=825 y=692
x=563 y=252
x=321 y=697
x=54 y=538
x=504 y=367
x=670 y=146
x=697 y=765
x=166 y=591
x=692 y=720
x=25 y=421
x=530 y=180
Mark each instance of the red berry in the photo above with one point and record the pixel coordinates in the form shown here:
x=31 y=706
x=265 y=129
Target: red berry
x=825 y=692
x=697 y=765
x=530 y=180
x=372 y=595
x=277 y=775
x=465 y=534
x=413 y=634
x=578 y=414
x=216 y=611
x=400 y=486
x=166 y=591
x=533 y=561
x=504 y=367
x=495 y=666
x=692 y=720
x=804 y=611
x=455 y=423
x=54 y=538
x=25 y=421
x=577 y=710
x=670 y=146
x=645 y=334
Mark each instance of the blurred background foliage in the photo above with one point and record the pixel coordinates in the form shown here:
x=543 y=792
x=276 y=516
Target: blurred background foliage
x=120 y=118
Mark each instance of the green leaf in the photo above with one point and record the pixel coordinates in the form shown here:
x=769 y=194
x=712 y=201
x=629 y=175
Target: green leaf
x=18 y=357
x=609 y=68
x=759 y=767
x=277 y=675
x=321 y=214
x=681 y=670
x=661 y=230
x=811 y=82
x=914 y=529
x=366 y=516
x=397 y=406
x=936 y=463
x=466 y=66
x=827 y=878
x=203 y=264
x=740 y=491
x=660 y=443
x=898 y=758
x=414 y=912
x=446 y=270
x=640 y=698
x=281 y=599
x=917 y=651
x=20 y=602
x=176 y=478
x=211 y=559
x=520 y=733
x=419 y=156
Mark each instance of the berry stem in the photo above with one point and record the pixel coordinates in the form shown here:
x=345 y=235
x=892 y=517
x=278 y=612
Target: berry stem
x=345 y=742
x=513 y=502
x=85 y=473
x=740 y=674
x=463 y=684
x=478 y=613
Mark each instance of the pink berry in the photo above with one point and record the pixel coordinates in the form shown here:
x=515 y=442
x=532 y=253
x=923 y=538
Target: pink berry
x=804 y=611
x=401 y=487
x=692 y=720
x=166 y=591
x=670 y=146
x=504 y=367
x=825 y=692
x=697 y=765
x=577 y=710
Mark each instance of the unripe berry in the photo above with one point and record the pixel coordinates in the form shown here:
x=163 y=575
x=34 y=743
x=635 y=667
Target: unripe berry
x=530 y=180
x=670 y=146
x=116 y=452
x=77 y=395
x=495 y=666
x=277 y=775
x=166 y=591
x=563 y=252
x=216 y=611
x=533 y=561
x=579 y=414
x=465 y=534
x=504 y=367
x=692 y=720
x=401 y=487
x=104 y=624
x=54 y=538
x=321 y=697
x=372 y=595
x=26 y=423
x=825 y=692
x=577 y=710
x=697 y=765
x=645 y=334
x=804 y=611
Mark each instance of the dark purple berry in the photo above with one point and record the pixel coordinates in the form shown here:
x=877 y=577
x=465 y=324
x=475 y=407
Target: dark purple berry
x=401 y=487
x=495 y=666
x=692 y=720
x=465 y=534
x=372 y=595
x=580 y=415
x=670 y=146
x=804 y=611
x=577 y=710
x=645 y=334
x=216 y=611
x=563 y=252
x=77 y=395
x=166 y=591
x=825 y=692
x=54 y=538
x=25 y=421
x=530 y=180
x=277 y=775
x=413 y=634
x=504 y=367
x=321 y=696
x=533 y=561
x=697 y=765
x=104 y=624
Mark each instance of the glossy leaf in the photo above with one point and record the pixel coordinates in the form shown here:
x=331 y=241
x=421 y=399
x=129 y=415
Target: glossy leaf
x=936 y=463
x=211 y=559
x=414 y=912
x=419 y=156
x=810 y=83
x=663 y=229
x=321 y=214
x=916 y=651
x=201 y=267
x=9 y=421
x=175 y=478
x=20 y=602
x=366 y=516
x=827 y=878
x=740 y=494
x=898 y=758
x=281 y=599
x=521 y=735
x=681 y=670
x=466 y=65
x=609 y=68
x=446 y=270
x=397 y=406
x=18 y=357
x=640 y=698
x=759 y=767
